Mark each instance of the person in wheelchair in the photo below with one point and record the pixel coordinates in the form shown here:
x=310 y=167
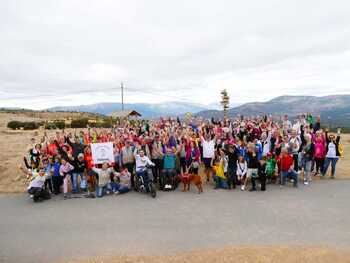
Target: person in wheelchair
x=168 y=174
x=142 y=165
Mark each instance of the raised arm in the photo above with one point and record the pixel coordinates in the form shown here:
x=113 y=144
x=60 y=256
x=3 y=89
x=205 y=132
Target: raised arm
x=338 y=136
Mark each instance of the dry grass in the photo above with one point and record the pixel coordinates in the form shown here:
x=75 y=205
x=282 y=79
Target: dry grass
x=245 y=254
x=13 y=146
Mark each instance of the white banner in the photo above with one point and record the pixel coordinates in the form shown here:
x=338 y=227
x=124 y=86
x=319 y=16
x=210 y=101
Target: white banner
x=102 y=152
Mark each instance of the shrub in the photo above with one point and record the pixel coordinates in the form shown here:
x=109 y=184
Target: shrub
x=14 y=125
x=30 y=125
x=79 y=123
x=50 y=126
x=60 y=124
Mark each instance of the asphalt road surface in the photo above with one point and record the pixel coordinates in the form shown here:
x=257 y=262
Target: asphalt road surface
x=135 y=223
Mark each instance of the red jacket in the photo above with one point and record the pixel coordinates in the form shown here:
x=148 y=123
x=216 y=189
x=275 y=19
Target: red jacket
x=286 y=162
x=88 y=160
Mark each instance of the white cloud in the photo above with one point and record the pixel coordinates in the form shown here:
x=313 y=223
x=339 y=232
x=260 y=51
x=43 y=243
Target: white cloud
x=65 y=52
x=104 y=73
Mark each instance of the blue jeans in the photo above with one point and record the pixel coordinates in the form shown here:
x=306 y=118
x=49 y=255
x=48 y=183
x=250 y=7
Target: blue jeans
x=220 y=182
x=74 y=178
x=327 y=162
x=290 y=174
x=120 y=188
x=307 y=164
x=101 y=190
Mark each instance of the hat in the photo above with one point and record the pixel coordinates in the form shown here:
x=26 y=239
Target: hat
x=80 y=155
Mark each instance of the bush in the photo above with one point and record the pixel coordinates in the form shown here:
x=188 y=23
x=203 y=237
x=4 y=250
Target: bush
x=79 y=123
x=106 y=124
x=14 y=125
x=50 y=126
x=30 y=125
x=60 y=124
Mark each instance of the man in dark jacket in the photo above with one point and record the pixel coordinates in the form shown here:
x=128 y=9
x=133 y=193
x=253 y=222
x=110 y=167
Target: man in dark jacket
x=77 y=146
x=232 y=154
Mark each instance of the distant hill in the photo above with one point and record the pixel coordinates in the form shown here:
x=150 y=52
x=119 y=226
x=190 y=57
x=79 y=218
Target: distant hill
x=334 y=110
x=147 y=110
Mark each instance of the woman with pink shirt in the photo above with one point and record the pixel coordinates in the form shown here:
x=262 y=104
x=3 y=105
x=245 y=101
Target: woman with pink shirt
x=320 y=151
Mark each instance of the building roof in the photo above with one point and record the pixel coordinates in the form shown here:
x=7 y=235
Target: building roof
x=125 y=113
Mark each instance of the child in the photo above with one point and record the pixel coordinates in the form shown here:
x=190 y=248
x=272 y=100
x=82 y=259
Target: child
x=65 y=169
x=261 y=175
x=242 y=168
x=270 y=167
x=219 y=168
x=48 y=166
x=56 y=178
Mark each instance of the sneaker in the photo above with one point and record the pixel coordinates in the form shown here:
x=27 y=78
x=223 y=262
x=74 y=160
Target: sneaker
x=306 y=183
x=108 y=192
x=242 y=188
x=116 y=193
x=252 y=190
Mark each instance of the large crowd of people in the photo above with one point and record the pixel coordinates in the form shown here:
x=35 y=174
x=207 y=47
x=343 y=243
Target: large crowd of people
x=243 y=152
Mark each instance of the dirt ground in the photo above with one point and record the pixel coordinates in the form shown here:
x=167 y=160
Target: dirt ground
x=245 y=254
x=13 y=145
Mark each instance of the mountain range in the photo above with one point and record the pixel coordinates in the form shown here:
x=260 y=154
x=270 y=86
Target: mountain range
x=147 y=110
x=334 y=110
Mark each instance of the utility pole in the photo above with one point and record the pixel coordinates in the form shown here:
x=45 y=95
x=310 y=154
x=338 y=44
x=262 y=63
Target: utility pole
x=122 y=88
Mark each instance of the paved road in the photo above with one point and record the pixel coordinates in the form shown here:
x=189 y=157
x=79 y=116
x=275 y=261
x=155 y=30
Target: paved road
x=175 y=221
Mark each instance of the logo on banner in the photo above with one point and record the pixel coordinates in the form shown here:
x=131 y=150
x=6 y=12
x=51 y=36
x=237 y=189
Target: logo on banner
x=102 y=152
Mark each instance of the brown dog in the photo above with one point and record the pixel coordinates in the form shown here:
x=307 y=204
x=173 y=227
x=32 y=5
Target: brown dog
x=188 y=178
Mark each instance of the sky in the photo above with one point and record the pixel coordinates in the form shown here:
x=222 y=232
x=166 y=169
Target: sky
x=73 y=52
